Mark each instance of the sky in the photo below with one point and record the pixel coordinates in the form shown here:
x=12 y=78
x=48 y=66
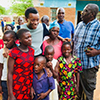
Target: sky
x=5 y=3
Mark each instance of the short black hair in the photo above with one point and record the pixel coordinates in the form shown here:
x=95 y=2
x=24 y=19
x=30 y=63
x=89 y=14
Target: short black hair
x=30 y=10
x=12 y=27
x=94 y=8
x=21 y=31
x=66 y=43
x=49 y=47
x=42 y=58
x=11 y=32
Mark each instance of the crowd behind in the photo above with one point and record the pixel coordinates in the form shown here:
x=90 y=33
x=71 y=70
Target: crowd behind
x=50 y=61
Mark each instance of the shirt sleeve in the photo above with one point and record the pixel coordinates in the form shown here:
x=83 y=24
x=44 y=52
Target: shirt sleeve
x=13 y=53
x=51 y=83
x=1 y=56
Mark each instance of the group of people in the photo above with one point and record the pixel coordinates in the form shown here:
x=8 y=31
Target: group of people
x=60 y=67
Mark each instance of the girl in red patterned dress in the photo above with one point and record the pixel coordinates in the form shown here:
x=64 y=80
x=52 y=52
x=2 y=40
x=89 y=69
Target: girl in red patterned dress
x=20 y=68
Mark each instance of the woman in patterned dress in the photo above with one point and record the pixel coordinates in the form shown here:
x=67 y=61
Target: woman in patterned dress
x=69 y=67
x=20 y=68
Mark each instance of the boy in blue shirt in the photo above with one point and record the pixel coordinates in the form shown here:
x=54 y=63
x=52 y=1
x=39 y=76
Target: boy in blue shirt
x=42 y=84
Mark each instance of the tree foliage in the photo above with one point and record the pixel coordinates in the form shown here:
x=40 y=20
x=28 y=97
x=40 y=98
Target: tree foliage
x=2 y=10
x=19 y=6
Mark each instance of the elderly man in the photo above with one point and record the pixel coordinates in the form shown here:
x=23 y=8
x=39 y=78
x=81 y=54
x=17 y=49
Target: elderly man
x=87 y=48
x=66 y=27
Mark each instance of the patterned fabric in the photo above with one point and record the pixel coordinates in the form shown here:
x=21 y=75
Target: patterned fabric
x=23 y=73
x=87 y=35
x=67 y=77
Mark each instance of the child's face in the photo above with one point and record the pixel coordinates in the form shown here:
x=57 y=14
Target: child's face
x=26 y=39
x=39 y=64
x=54 y=32
x=8 y=28
x=33 y=20
x=66 y=50
x=8 y=40
x=49 y=54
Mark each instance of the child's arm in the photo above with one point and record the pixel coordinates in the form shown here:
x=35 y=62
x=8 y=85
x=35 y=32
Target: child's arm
x=32 y=92
x=54 y=71
x=1 y=68
x=77 y=82
x=43 y=95
x=10 y=78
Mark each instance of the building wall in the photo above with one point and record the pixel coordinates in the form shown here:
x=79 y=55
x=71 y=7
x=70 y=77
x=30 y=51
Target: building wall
x=45 y=8
x=69 y=13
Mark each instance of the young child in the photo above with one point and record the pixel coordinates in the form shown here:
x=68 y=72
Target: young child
x=42 y=84
x=20 y=68
x=51 y=65
x=9 y=38
x=69 y=66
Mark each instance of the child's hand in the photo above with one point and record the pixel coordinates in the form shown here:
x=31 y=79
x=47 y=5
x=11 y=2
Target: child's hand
x=49 y=65
x=1 y=90
x=5 y=52
x=59 y=89
x=11 y=97
x=32 y=92
x=77 y=90
x=41 y=96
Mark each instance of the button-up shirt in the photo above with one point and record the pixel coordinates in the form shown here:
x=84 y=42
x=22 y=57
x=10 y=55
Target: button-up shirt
x=42 y=85
x=87 y=35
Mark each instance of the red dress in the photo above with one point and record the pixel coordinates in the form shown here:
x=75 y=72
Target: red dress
x=23 y=73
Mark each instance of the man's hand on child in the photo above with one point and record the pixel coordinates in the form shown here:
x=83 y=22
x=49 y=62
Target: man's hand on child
x=42 y=96
x=32 y=92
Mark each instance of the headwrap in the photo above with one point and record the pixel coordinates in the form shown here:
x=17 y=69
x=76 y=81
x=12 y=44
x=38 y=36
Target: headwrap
x=54 y=24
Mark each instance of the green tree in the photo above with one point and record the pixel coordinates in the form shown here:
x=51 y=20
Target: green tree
x=2 y=10
x=19 y=6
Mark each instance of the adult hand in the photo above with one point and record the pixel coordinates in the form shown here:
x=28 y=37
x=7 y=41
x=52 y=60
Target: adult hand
x=41 y=96
x=91 y=52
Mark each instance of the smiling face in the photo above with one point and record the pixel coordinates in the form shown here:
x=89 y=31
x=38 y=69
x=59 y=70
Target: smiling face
x=39 y=64
x=61 y=15
x=66 y=50
x=8 y=40
x=54 y=32
x=32 y=20
x=26 y=39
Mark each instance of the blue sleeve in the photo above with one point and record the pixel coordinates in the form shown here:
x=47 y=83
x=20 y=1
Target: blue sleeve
x=51 y=83
x=72 y=28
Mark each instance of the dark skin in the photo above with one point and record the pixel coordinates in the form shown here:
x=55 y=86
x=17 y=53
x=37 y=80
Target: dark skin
x=53 y=40
x=61 y=15
x=25 y=42
x=87 y=16
x=39 y=64
x=66 y=52
x=32 y=21
x=9 y=41
x=49 y=56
